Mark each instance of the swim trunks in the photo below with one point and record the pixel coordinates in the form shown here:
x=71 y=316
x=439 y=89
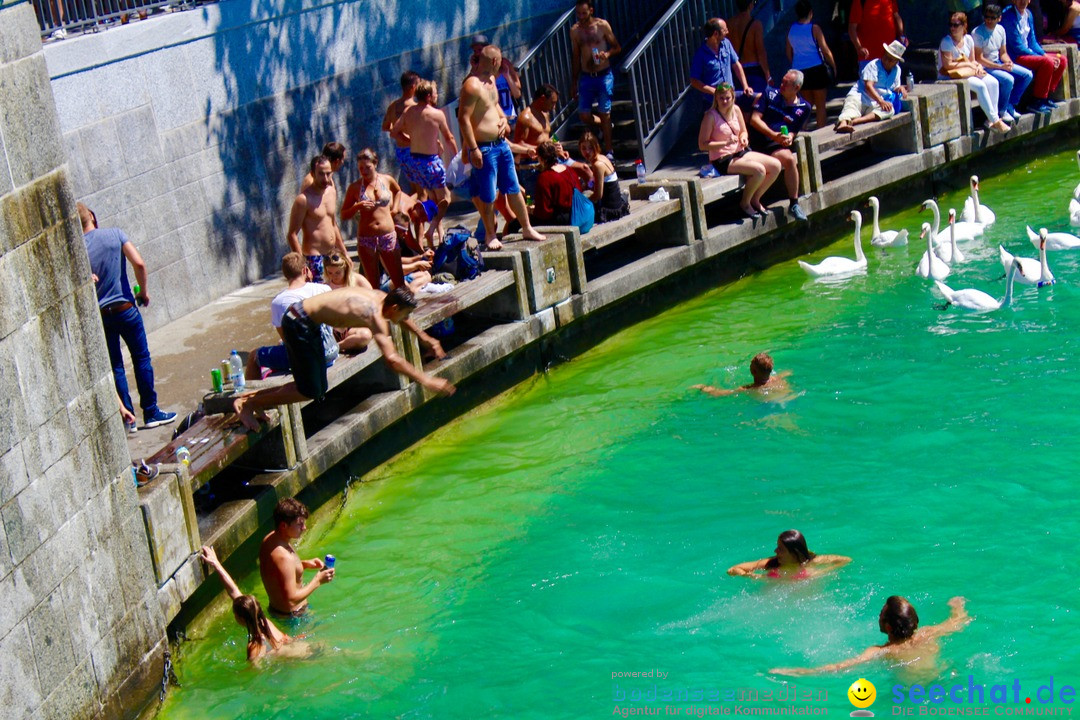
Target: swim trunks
x=304 y=343
x=315 y=264
x=404 y=157
x=498 y=171
x=596 y=89
x=386 y=242
x=429 y=171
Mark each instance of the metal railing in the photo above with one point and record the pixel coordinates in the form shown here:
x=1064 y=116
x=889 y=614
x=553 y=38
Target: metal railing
x=68 y=15
x=659 y=70
x=549 y=59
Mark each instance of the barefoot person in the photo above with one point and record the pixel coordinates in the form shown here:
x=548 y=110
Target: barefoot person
x=409 y=81
x=264 y=638
x=793 y=560
x=314 y=212
x=425 y=126
x=281 y=568
x=369 y=310
x=765 y=382
x=373 y=200
x=909 y=645
x=483 y=137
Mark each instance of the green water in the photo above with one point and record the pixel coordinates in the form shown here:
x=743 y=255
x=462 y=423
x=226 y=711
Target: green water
x=581 y=525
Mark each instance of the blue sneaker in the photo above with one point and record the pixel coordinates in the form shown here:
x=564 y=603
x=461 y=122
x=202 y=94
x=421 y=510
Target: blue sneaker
x=158 y=417
x=131 y=427
x=797 y=212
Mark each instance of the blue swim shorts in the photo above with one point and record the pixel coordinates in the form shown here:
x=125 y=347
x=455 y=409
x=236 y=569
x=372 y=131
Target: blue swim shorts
x=596 y=89
x=498 y=171
x=404 y=158
x=429 y=171
x=315 y=264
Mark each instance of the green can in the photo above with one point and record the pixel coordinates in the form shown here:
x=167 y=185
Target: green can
x=216 y=380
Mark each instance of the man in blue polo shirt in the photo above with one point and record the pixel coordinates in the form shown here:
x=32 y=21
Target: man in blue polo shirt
x=110 y=251
x=714 y=63
x=779 y=116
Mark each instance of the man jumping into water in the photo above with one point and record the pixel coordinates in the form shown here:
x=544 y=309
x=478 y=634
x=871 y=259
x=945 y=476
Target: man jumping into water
x=765 y=382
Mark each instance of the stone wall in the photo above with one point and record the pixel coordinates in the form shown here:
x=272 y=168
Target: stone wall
x=191 y=131
x=81 y=631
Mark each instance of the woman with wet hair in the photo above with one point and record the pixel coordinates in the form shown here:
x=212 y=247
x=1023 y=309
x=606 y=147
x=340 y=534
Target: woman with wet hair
x=793 y=560
x=908 y=645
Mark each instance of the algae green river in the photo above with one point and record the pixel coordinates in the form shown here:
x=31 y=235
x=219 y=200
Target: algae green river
x=524 y=560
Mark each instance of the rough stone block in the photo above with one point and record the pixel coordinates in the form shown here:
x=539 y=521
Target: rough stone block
x=19 y=600
x=13 y=474
x=106 y=661
x=28 y=119
x=5 y=554
x=939 y=113
x=49 y=634
x=78 y=592
x=76 y=161
x=546 y=268
x=103 y=157
x=139 y=140
x=13 y=421
x=18 y=33
x=76 y=698
x=20 y=690
x=13 y=311
x=163 y=512
x=56 y=437
x=29 y=519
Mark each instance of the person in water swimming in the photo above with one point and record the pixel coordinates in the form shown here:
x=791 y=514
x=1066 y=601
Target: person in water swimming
x=908 y=645
x=793 y=560
x=264 y=638
x=765 y=382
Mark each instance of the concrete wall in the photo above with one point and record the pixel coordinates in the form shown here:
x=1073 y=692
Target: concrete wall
x=80 y=626
x=191 y=131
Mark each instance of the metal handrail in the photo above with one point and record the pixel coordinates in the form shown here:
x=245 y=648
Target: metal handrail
x=67 y=15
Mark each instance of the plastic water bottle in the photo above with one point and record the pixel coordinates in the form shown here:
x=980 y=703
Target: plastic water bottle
x=183 y=455
x=910 y=82
x=640 y=169
x=236 y=371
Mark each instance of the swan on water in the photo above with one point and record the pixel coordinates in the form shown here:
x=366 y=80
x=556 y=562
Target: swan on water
x=973 y=210
x=1074 y=212
x=838 y=266
x=930 y=265
x=977 y=300
x=1035 y=272
x=948 y=251
x=1076 y=190
x=887 y=238
x=1054 y=241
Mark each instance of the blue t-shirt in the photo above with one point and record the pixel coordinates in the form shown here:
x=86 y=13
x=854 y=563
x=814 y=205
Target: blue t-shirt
x=885 y=82
x=107 y=261
x=713 y=68
x=776 y=112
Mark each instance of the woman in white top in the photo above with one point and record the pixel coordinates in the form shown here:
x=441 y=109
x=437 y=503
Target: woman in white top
x=957 y=54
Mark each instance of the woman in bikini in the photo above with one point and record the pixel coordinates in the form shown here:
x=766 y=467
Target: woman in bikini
x=723 y=135
x=264 y=638
x=793 y=561
x=373 y=200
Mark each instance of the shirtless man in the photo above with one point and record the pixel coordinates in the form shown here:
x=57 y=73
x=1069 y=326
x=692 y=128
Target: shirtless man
x=315 y=212
x=335 y=153
x=409 y=81
x=281 y=568
x=594 y=45
x=370 y=311
x=483 y=137
x=424 y=126
x=764 y=383
x=534 y=123
x=909 y=645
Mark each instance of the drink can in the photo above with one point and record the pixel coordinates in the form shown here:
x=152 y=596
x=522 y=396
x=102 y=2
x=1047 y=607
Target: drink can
x=216 y=380
x=596 y=56
x=784 y=130
x=226 y=370
x=329 y=560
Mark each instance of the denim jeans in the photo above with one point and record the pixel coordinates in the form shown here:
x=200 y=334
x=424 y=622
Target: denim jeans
x=129 y=326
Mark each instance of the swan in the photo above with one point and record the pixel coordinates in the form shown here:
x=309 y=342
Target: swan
x=836 y=266
x=888 y=238
x=931 y=265
x=948 y=251
x=977 y=300
x=1074 y=212
x=1076 y=191
x=973 y=211
x=1035 y=272
x=1054 y=241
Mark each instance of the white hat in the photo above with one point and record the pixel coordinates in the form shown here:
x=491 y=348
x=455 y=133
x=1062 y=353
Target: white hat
x=895 y=48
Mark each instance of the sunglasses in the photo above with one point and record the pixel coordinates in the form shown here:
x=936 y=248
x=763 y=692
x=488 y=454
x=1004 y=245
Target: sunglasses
x=957 y=24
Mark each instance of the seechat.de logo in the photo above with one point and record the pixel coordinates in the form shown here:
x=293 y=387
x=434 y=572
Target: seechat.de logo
x=862 y=694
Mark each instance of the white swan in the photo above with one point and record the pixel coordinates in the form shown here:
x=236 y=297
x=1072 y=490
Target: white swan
x=948 y=251
x=930 y=265
x=975 y=212
x=1035 y=272
x=966 y=231
x=1054 y=241
x=838 y=266
x=1076 y=191
x=977 y=300
x=888 y=238
x=1074 y=212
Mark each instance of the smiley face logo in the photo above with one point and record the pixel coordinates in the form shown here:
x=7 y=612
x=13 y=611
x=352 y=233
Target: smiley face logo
x=862 y=693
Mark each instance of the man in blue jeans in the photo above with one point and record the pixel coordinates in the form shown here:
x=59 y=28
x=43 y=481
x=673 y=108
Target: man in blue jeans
x=110 y=251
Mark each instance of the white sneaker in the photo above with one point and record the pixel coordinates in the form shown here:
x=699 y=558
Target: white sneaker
x=1007 y=117
x=60 y=34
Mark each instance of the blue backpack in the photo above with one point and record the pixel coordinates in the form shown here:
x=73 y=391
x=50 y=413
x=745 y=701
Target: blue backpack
x=459 y=255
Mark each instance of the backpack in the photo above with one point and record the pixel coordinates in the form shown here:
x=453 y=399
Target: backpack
x=458 y=254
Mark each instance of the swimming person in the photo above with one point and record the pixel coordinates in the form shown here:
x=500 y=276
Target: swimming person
x=908 y=646
x=765 y=382
x=792 y=560
x=263 y=636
